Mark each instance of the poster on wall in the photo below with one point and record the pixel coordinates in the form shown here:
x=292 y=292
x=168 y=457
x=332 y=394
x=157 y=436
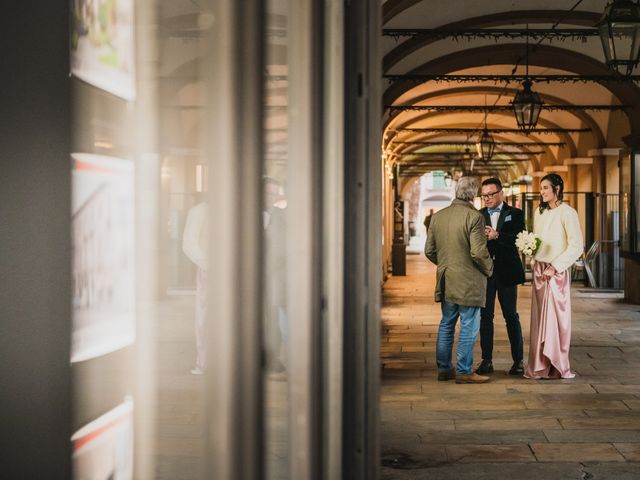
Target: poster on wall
x=103 y=449
x=102 y=45
x=103 y=255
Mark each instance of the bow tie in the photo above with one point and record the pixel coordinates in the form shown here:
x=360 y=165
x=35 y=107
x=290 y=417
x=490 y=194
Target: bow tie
x=493 y=210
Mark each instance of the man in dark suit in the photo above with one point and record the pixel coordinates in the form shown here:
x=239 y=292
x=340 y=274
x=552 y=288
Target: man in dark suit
x=503 y=223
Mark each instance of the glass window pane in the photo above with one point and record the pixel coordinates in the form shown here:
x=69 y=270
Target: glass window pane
x=275 y=179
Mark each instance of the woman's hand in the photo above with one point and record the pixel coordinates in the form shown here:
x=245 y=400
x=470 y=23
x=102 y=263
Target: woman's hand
x=549 y=271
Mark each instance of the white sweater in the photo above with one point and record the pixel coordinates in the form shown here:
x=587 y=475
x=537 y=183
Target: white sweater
x=195 y=239
x=562 y=242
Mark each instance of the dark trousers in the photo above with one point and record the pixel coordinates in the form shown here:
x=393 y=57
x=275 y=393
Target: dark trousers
x=508 y=298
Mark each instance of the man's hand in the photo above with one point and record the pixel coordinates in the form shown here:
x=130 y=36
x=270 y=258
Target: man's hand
x=490 y=233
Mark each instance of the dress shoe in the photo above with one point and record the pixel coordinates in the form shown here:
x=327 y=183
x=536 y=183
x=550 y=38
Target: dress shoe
x=472 y=378
x=486 y=366
x=517 y=368
x=448 y=375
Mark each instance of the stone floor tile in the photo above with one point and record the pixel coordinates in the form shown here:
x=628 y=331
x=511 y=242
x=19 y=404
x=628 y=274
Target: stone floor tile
x=617 y=389
x=633 y=404
x=400 y=389
x=630 y=414
x=590 y=410
x=413 y=457
x=592 y=436
x=418 y=348
x=630 y=451
x=489 y=453
x=599 y=352
x=585 y=378
x=512 y=424
x=586 y=403
x=483 y=437
x=551 y=388
x=579 y=397
x=613 y=423
x=611 y=471
x=452 y=388
x=414 y=424
x=490 y=471
x=576 y=452
x=469 y=404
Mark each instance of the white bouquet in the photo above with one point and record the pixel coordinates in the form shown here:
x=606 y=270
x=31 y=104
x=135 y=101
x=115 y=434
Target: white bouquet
x=528 y=242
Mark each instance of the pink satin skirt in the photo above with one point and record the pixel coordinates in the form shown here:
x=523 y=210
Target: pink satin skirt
x=550 y=334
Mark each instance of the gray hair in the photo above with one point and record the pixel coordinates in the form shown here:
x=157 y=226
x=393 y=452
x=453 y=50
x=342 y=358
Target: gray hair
x=467 y=188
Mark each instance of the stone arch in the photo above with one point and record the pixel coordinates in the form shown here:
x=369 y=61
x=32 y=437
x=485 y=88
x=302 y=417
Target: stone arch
x=544 y=56
x=547 y=98
x=494 y=20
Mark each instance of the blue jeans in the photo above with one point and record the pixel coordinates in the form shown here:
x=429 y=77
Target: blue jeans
x=469 y=326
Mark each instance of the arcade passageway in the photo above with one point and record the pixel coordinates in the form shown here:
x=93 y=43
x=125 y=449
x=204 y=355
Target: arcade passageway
x=588 y=427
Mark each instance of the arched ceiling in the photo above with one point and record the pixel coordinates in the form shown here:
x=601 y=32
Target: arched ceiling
x=420 y=55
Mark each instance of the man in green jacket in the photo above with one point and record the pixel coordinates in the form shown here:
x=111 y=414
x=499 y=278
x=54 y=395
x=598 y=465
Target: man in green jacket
x=457 y=244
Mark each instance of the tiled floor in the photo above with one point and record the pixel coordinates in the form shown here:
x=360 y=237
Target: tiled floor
x=586 y=428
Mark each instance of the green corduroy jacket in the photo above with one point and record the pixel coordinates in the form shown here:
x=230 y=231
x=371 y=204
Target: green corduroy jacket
x=457 y=244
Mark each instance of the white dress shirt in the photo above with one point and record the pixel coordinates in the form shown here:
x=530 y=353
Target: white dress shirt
x=495 y=216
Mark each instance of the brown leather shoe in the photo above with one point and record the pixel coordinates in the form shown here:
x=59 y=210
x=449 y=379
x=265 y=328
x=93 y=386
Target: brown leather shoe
x=444 y=376
x=472 y=378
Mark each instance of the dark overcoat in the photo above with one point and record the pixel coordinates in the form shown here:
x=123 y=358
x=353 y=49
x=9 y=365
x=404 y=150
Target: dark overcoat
x=507 y=264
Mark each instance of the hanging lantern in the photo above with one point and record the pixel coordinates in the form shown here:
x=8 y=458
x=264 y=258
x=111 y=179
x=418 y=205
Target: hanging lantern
x=619 y=30
x=527 y=106
x=486 y=145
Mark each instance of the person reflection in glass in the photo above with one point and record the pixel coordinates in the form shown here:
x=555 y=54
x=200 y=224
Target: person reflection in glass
x=276 y=328
x=195 y=241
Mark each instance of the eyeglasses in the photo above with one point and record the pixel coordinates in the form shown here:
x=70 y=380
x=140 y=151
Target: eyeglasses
x=490 y=195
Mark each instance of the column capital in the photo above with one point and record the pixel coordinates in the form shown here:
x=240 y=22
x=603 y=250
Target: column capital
x=604 y=152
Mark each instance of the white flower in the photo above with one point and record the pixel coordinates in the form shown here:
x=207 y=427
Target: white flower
x=526 y=242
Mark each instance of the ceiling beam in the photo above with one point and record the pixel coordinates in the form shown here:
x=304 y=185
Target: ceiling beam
x=497 y=152
x=453 y=144
x=495 y=33
x=475 y=171
x=499 y=108
x=442 y=77
x=493 y=130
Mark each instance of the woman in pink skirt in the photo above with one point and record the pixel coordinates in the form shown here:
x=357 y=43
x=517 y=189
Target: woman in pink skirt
x=557 y=225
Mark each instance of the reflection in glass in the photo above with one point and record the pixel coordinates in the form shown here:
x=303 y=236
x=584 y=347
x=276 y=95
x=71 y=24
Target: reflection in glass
x=275 y=179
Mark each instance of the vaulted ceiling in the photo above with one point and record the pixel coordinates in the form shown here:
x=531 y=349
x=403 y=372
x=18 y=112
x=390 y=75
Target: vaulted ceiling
x=566 y=131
